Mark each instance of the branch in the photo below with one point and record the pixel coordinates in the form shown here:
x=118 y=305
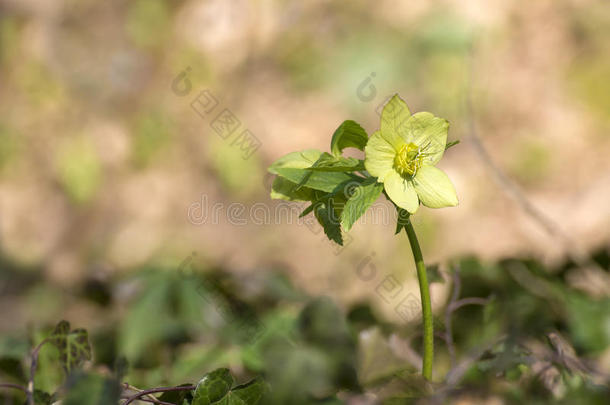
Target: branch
x=14 y=386
x=33 y=366
x=161 y=389
x=509 y=187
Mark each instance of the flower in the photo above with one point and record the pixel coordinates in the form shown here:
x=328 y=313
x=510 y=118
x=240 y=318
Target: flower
x=402 y=155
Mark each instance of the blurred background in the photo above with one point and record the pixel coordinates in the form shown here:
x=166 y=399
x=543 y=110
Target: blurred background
x=112 y=164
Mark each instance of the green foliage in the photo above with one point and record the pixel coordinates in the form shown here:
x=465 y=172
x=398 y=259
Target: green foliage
x=215 y=388
x=363 y=196
x=349 y=135
x=73 y=346
x=400 y=160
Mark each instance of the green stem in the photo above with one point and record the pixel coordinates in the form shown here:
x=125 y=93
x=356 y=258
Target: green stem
x=425 y=302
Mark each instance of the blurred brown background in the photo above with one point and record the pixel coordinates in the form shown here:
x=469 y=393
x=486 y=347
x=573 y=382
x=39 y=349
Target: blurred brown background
x=105 y=166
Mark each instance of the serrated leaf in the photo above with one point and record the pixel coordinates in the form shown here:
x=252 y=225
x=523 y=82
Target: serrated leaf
x=213 y=387
x=284 y=189
x=362 y=198
x=329 y=163
x=323 y=181
x=327 y=217
x=348 y=135
x=295 y=160
x=73 y=346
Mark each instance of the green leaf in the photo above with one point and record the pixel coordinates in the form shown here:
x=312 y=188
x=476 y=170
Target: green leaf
x=73 y=346
x=177 y=397
x=284 y=189
x=213 y=387
x=329 y=163
x=323 y=181
x=42 y=398
x=402 y=219
x=362 y=198
x=250 y=393
x=295 y=160
x=326 y=216
x=349 y=135
x=452 y=143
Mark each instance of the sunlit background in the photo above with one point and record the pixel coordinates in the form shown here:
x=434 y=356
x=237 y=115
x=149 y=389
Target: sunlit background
x=110 y=165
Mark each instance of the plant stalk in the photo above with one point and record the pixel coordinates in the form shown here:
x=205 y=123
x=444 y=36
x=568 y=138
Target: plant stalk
x=426 y=305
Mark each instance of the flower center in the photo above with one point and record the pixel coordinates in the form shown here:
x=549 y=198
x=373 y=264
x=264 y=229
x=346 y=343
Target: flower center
x=408 y=159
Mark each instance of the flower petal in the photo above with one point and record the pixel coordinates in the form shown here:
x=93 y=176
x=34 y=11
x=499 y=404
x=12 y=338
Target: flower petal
x=395 y=115
x=401 y=191
x=434 y=188
x=379 y=156
x=427 y=131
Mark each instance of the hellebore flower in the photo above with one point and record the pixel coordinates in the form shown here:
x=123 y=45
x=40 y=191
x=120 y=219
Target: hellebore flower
x=402 y=155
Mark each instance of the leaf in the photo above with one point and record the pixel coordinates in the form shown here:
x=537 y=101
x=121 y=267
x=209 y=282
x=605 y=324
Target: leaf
x=330 y=163
x=326 y=216
x=73 y=346
x=42 y=398
x=362 y=198
x=323 y=181
x=295 y=160
x=91 y=389
x=250 y=393
x=402 y=219
x=177 y=397
x=213 y=387
x=452 y=143
x=284 y=189
x=348 y=135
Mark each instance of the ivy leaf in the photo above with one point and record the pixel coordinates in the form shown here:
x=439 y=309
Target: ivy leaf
x=284 y=189
x=362 y=198
x=329 y=163
x=250 y=393
x=177 y=397
x=43 y=398
x=213 y=387
x=73 y=346
x=349 y=135
x=326 y=216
